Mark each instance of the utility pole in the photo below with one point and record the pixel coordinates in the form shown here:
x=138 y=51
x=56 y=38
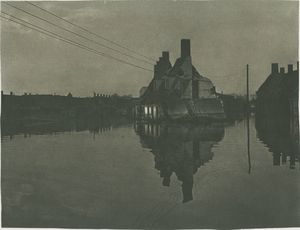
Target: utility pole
x=247 y=88
x=248 y=125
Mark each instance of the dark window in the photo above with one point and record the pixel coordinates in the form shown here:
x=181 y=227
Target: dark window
x=195 y=89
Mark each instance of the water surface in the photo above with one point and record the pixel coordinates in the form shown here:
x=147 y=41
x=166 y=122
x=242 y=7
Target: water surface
x=128 y=175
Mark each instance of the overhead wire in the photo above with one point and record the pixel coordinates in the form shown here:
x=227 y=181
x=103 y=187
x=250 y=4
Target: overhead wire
x=236 y=83
x=77 y=34
x=224 y=76
x=56 y=36
x=228 y=79
x=90 y=31
x=237 y=79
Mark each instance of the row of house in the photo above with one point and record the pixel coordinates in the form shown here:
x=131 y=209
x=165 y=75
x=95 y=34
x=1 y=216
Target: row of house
x=277 y=116
x=56 y=106
x=179 y=91
x=279 y=93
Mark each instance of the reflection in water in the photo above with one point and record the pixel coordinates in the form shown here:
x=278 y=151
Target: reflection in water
x=72 y=181
x=281 y=136
x=40 y=126
x=248 y=143
x=180 y=149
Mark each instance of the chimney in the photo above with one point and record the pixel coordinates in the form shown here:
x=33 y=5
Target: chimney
x=165 y=56
x=158 y=64
x=290 y=68
x=282 y=70
x=274 y=68
x=155 y=68
x=185 y=48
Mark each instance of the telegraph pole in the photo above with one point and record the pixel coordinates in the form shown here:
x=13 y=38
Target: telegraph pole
x=247 y=88
x=248 y=126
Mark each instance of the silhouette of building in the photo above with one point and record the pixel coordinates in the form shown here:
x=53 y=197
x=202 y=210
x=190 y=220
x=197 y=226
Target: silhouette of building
x=48 y=105
x=180 y=91
x=279 y=93
x=277 y=121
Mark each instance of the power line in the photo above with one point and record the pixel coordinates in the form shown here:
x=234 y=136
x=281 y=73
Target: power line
x=89 y=31
x=70 y=41
x=236 y=78
x=76 y=33
x=228 y=75
x=229 y=79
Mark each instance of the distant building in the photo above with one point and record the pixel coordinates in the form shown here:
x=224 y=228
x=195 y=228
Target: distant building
x=63 y=107
x=143 y=90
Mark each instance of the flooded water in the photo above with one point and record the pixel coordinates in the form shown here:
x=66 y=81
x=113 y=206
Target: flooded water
x=129 y=175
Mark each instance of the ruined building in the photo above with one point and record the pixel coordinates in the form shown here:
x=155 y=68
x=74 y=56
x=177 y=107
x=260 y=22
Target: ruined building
x=179 y=91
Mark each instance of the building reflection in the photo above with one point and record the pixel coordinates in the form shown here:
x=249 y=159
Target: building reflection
x=27 y=127
x=277 y=114
x=180 y=149
x=281 y=136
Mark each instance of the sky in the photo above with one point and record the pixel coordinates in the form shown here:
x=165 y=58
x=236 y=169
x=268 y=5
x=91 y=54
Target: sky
x=225 y=37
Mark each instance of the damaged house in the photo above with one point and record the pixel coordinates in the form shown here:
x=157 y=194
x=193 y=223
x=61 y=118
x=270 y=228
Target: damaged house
x=179 y=91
